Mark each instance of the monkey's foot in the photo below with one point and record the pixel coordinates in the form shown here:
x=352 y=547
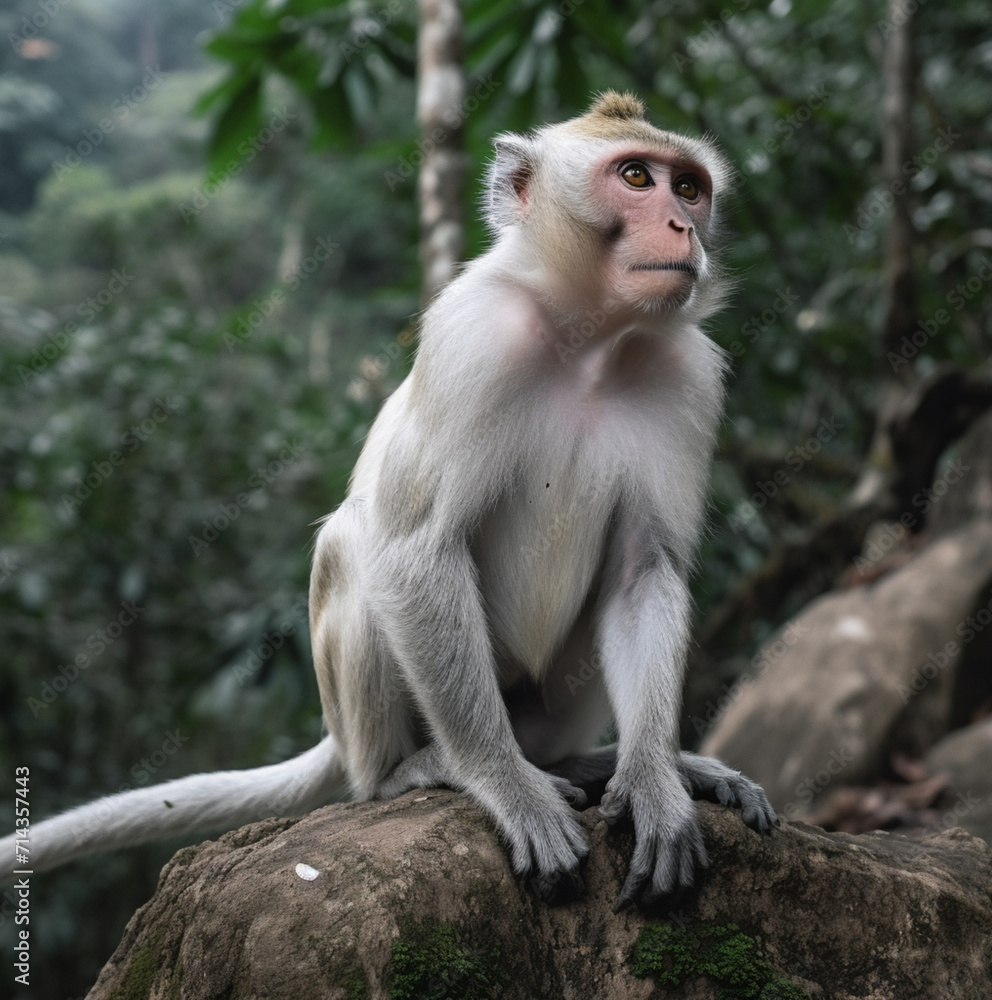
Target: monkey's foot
x=710 y=779
x=425 y=768
x=668 y=847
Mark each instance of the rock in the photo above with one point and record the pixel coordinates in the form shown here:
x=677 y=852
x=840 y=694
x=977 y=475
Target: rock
x=964 y=756
x=859 y=675
x=414 y=898
x=963 y=491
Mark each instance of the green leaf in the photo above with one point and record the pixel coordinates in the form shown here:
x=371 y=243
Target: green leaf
x=239 y=121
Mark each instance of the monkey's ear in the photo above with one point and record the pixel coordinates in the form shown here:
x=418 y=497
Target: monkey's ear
x=508 y=190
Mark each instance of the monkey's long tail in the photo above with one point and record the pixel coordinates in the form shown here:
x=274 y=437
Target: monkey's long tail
x=218 y=801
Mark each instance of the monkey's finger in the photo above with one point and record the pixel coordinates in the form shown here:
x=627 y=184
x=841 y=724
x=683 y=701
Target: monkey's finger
x=572 y=794
x=730 y=788
x=649 y=880
x=673 y=881
x=759 y=815
x=724 y=794
x=756 y=810
x=633 y=885
x=645 y=862
x=613 y=806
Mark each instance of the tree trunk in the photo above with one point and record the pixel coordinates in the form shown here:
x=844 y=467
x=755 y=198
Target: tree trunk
x=440 y=111
x=899 y=285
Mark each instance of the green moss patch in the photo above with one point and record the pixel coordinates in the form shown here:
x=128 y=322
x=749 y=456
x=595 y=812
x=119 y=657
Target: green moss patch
x=434 y=962
x=141 y=973
x=671 y=954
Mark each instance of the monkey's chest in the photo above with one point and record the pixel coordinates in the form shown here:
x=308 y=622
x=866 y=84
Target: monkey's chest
x=539 y=553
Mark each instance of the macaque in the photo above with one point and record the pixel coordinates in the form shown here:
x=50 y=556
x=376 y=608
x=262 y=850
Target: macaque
x=507 y=578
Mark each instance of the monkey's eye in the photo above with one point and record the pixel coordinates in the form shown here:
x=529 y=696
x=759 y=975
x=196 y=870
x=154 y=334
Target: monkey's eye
x=686 y=186
x=636 y=174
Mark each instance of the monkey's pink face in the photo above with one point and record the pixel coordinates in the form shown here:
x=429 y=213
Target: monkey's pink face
x=658 y=208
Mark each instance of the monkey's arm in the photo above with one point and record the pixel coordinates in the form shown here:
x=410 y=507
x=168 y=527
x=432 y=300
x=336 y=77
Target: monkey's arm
x=642 y=636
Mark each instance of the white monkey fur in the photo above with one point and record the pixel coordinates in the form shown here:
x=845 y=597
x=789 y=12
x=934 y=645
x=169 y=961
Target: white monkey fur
x=526 y=508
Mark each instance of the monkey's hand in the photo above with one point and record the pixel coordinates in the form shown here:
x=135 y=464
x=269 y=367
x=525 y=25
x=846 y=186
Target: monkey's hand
x=545 y=840
x=710 y=779
x=668 y=846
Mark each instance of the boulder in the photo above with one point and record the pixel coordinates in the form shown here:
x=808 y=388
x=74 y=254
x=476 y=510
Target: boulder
x=964 y=757
x=858 y=675
x=963 y=491
x=414 y=898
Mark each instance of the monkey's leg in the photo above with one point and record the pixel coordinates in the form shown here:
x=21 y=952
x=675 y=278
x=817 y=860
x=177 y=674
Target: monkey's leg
x=451 y=673
x=710 y=779
x=426 y=769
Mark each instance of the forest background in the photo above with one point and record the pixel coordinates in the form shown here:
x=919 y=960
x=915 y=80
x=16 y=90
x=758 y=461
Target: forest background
x=209 y=280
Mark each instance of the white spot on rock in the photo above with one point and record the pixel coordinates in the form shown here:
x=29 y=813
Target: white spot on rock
x=852 y=627
x=306 y=873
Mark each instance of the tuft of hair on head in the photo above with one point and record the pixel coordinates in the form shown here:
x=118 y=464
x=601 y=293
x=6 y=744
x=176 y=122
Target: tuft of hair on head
x=611 y=104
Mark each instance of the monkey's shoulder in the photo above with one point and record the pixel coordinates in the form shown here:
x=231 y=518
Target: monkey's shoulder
x=483 y=326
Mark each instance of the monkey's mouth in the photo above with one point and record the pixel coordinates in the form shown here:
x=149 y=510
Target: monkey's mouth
x=685 y=266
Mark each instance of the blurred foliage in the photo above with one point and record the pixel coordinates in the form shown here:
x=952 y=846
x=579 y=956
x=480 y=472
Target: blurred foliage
x=208 y=270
